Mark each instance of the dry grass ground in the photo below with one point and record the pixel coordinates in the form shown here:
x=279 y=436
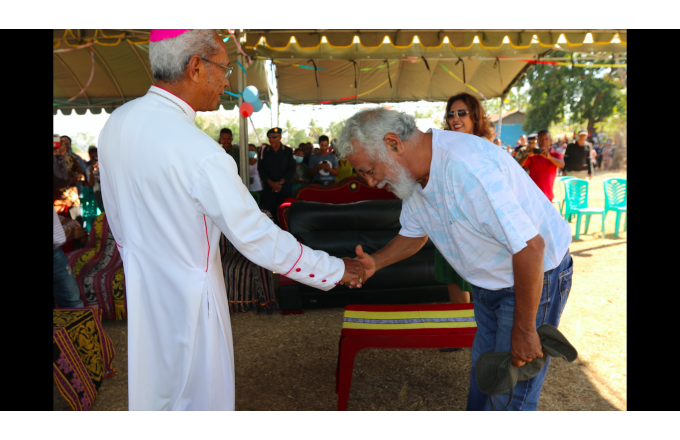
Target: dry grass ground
x=288 y=362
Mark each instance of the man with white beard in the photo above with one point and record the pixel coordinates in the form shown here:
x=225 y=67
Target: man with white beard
x=489 y=220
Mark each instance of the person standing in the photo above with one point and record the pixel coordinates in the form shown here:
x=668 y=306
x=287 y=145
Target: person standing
x=64 y=286
x=276 y=167
x=487 y=217
x=323 y=166
x=255 y=182
x=170 y=192
x=607 y=155
x=543 y=166
x=465 y=115
x=577 y=160
x=226 y=140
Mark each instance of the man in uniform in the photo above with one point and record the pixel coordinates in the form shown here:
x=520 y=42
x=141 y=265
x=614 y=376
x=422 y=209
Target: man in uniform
x=276 y=168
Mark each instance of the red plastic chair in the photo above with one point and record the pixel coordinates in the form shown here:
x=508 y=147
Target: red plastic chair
x=399 y=326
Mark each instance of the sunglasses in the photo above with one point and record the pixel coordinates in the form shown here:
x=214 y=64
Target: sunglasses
x=273 y=136
x=461 y=113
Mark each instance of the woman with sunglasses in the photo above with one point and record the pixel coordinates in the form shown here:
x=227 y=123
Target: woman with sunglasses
x=464 y=114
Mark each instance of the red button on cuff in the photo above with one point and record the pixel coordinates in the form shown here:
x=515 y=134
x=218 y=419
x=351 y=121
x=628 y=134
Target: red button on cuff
x=311 y=275
x=323 y=281
x=298 y=269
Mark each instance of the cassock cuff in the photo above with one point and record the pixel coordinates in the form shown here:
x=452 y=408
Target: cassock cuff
x=316 y=269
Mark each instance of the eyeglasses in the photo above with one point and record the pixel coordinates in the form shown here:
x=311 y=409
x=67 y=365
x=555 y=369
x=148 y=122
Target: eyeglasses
x=227 y=69
x=461 y=113
x=273 y=136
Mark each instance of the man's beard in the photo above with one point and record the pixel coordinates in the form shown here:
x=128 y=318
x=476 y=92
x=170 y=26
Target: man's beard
x=403 y=184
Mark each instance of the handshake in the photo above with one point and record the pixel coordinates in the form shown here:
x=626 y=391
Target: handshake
x=358 y=270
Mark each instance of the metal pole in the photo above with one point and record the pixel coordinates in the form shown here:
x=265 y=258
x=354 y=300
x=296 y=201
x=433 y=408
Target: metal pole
x=242 y=123
x=500 y=120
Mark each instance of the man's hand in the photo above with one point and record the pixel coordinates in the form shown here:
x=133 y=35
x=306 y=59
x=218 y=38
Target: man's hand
x=525 y=346
x=590 y=177
x=545 y=154
x=367 y=263
x=276 y=186
x=353 y=272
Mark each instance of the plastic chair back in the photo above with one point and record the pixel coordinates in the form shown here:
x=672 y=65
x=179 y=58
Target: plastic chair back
x=576 y=194
x=561 y=181
x=615 y=193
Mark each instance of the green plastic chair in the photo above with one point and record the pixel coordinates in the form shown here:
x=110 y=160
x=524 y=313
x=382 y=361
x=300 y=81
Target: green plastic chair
x=560 y=200
x=89 y=209
x=576 y=197
x=616 y=199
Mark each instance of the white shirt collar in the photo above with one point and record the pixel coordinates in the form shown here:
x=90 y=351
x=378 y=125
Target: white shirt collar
x=180 y=104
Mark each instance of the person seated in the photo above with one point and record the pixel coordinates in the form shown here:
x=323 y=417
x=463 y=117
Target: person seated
x=301 y=176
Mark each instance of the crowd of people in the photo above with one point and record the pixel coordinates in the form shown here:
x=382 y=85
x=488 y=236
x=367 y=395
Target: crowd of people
x=500 y=241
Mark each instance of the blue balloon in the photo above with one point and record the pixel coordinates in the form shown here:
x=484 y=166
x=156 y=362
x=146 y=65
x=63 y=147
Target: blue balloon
x=257 y=105
x=250 y=94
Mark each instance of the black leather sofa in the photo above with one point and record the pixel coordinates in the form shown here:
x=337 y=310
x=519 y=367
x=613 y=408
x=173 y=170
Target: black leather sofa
x=337 y=229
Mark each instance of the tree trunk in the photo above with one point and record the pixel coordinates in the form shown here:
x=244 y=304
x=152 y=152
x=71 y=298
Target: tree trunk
x=620 y=156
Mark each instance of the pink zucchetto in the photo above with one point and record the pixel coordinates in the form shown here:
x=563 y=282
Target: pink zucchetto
x=164 y=34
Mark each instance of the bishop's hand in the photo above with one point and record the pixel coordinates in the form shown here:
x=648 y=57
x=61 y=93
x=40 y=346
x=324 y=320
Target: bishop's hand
x=354 y=272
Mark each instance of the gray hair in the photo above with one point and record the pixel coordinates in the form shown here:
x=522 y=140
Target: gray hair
x=170 y=58
x=369 y=127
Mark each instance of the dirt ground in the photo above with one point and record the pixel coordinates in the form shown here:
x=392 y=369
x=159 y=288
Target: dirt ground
x=288 y=362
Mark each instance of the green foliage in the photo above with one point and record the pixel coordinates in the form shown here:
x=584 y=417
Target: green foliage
x=581 y=95
x=333 y=129
x=315 y=131
x=82 y=141
x=211 y=123
x=293 y=136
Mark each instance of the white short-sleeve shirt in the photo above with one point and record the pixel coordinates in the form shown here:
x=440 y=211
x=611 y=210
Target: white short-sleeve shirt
x=479 y=208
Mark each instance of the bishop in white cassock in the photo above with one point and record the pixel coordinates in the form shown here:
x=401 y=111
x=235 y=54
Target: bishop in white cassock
x=169 y=190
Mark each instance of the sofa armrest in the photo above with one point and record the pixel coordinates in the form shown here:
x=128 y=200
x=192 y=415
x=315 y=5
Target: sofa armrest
x=283 y=214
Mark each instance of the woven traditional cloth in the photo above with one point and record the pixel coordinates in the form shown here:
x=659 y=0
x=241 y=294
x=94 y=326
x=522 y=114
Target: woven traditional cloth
x=98 y=270
x=82 y=355
x=410 y=319
x=249 y=286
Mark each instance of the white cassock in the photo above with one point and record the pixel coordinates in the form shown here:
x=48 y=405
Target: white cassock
x=169 y=189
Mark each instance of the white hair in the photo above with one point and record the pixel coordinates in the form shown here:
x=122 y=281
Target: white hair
x=368 y=127
x=169 y=58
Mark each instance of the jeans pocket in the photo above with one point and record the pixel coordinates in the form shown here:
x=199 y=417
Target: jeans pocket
x=564 y=284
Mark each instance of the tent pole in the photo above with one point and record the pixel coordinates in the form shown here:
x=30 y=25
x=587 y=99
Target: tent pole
x=242 y=123
x=500 y=119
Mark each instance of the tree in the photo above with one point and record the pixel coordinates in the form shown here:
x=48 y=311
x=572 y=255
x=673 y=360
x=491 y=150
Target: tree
x=82 y=141
x=293 y=136
x=211 y=124
x=581 y=94
x=315 y=130
x=334 y=129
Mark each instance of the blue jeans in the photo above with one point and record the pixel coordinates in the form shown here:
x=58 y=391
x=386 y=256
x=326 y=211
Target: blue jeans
x=494 y=312
x=64 y=286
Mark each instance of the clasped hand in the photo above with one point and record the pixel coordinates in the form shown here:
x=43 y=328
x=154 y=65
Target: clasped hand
x=358 y=269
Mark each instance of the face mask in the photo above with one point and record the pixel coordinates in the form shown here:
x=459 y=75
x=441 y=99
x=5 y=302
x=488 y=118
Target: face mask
x=252 y=154
x=299 y=159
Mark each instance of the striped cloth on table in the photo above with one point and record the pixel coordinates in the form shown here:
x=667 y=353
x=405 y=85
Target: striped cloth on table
x=408 y=319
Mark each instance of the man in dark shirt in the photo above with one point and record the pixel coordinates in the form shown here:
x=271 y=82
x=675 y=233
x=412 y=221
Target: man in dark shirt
x=276 y=168
x=577 y=157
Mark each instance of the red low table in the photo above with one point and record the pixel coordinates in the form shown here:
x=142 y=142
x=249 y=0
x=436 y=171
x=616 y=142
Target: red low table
x=399 y=326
